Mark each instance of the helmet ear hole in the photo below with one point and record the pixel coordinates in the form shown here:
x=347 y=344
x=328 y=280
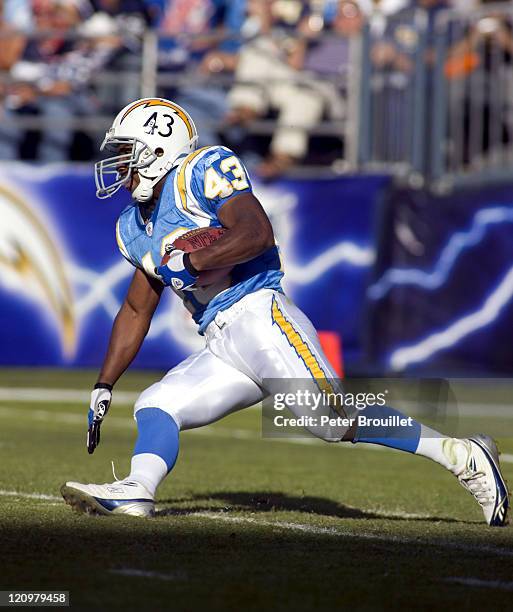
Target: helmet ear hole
x=159 y=151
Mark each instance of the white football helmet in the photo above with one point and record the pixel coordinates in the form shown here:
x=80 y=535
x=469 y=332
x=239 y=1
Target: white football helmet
x=148 y=135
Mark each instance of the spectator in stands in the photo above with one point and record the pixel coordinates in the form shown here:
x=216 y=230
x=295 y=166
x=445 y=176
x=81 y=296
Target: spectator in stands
x=17 y=14
x=52 y=76
x=478 y=73
x=11 y=47
x=133 y=15
x=278 y=70
x=155 y=9
x=120 y=25
x=12 y=41
x=399 y=36
x=492 y=32
x=198 y=33
x=400 y=45
x=37 y=86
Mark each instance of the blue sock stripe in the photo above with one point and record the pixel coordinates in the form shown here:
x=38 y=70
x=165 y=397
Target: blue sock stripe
x=388 y=432
x=158 y=434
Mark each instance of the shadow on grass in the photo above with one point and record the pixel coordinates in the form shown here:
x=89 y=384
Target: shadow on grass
x=269 y=501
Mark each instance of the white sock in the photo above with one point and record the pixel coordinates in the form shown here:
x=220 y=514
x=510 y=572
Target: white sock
x=149 y=470
x=449 y=452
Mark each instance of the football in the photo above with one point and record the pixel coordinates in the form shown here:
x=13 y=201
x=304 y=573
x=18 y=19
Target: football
x=194 y=241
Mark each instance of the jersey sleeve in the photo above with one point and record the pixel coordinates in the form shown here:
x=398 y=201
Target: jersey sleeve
x=218 y=176
x=121 y=244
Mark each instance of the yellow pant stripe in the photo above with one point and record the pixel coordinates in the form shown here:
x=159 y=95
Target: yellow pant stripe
x=302 y=349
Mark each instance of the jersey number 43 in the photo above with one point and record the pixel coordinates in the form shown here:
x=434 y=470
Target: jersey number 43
x=217 y=185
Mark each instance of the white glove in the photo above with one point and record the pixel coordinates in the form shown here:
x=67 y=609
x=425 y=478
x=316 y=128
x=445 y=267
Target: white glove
x=101 y=398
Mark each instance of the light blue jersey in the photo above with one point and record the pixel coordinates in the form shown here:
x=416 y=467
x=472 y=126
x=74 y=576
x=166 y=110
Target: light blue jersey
x=192 y=196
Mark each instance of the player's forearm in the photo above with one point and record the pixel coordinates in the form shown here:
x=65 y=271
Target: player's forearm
x=235 y=246
x=128 y=333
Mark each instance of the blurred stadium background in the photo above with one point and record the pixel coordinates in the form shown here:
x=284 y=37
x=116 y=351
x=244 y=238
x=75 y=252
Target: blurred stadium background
x=379 y=135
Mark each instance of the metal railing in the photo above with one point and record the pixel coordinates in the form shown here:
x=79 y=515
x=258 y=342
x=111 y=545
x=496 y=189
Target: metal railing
x=142 y=74
x=472 y=106
x=428 y=100
x=436 y=102
x=392 y=98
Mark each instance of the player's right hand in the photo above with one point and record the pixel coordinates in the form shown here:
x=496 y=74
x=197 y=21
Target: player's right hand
x=177 y=271
x=101 y=397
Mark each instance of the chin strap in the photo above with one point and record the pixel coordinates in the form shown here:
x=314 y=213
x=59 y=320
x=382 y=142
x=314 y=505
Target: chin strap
x=144 y=191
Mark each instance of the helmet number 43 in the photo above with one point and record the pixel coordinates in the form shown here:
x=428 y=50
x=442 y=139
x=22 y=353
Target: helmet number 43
x=151 y=125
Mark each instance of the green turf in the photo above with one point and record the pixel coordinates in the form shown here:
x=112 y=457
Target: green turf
x=243 y=523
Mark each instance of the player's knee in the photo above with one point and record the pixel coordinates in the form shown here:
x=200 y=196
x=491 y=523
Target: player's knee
x=330 y=438
x=146 y=399
x=338 y=433
x=155 y=397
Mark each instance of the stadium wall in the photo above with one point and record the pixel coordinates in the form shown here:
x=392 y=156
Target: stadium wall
x=440 y=302
x=63 y=279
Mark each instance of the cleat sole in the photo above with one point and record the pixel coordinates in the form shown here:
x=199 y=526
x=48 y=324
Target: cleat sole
x=489 y=447
x=504 y=479
x=82 y=503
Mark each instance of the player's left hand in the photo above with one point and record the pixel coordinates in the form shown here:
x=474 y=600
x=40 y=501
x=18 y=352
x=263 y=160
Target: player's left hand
x=178 y=271
x=101 y=397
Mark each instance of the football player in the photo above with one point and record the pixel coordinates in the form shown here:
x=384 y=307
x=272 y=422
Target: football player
x=254 y=335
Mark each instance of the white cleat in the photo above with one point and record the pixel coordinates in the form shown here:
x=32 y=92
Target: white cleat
x=120 y=497
x=481 y=475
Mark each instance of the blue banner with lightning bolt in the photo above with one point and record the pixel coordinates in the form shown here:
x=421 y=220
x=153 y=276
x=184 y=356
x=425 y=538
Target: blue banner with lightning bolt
x=441 y=297
x=62 y=278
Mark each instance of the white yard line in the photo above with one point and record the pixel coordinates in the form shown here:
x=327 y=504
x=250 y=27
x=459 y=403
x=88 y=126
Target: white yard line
x=209 y=431
x=39 y=496
x=58 y=416
x=331 y=531
x=305 y=528
x=498 y=585
x=58 y=396
x=78 y=396
x=45 y=497
x=71 y=418
x=301 y=528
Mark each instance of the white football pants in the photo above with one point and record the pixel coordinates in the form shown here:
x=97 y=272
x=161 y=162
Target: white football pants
x=262 y=337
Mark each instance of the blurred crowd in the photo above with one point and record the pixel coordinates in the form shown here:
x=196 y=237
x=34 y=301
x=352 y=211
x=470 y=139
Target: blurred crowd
x=232 y=63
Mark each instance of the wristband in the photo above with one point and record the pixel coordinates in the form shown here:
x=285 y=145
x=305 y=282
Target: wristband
x=102 y=385
x=187 y=264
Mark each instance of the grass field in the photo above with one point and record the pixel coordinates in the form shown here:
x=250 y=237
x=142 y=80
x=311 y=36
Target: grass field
x=243 y=523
